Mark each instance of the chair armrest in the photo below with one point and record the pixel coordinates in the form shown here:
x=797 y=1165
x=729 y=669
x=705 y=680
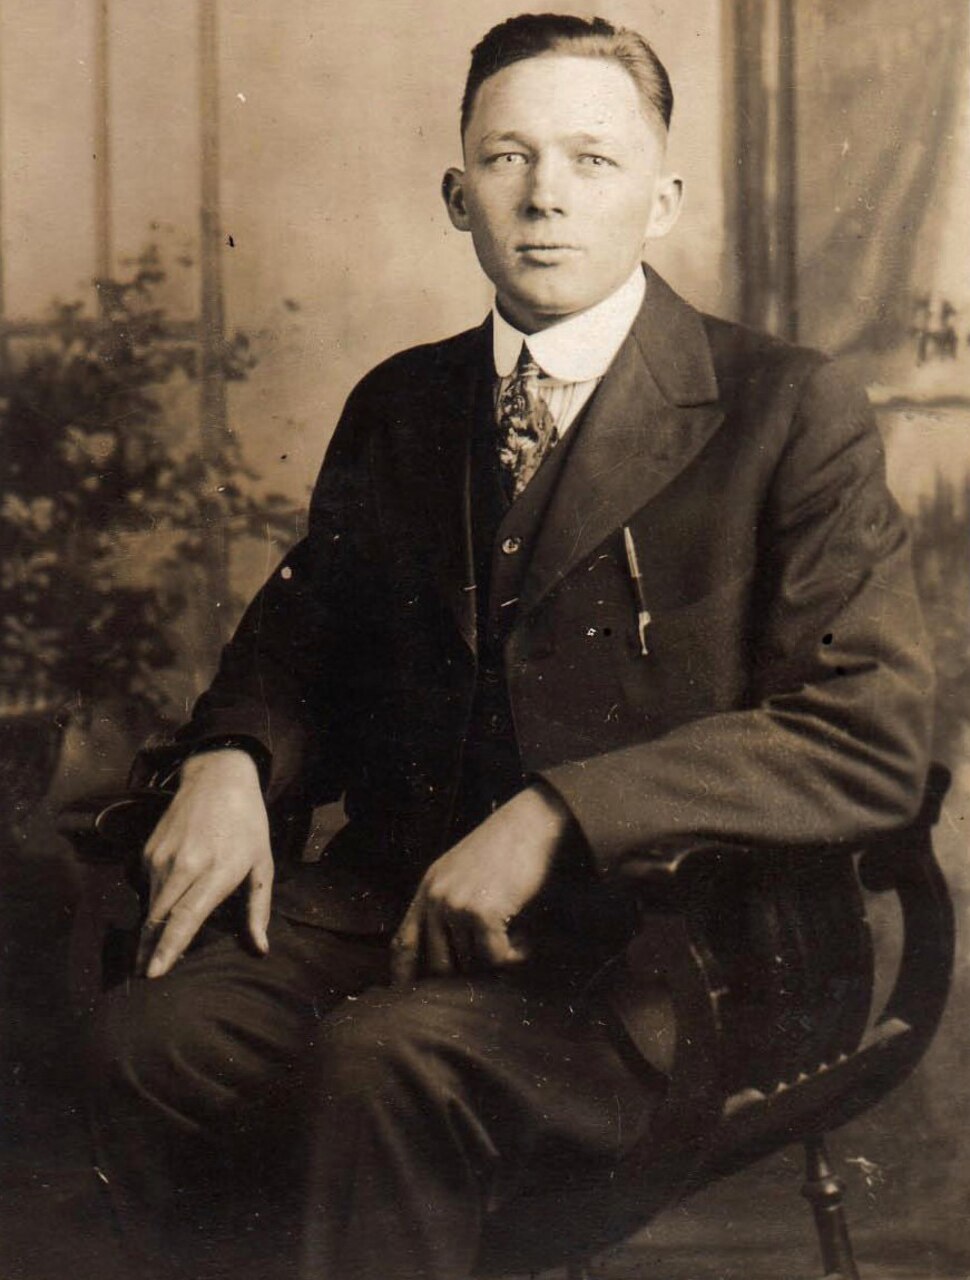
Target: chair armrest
x=670 y=870
x=113 y=826
x=767 y=959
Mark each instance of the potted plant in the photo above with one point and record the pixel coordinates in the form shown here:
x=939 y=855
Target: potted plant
x=94 y=462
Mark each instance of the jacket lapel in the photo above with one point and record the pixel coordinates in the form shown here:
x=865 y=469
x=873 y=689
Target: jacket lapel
x=652 y=413
x=445 y=485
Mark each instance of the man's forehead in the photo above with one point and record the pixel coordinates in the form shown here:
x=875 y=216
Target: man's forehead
x=564 y=93
x=522 y=135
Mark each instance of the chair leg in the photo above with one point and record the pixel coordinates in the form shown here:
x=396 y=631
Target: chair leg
x=823 y=1190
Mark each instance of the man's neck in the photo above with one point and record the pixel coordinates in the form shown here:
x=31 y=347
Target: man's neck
x=581 y=346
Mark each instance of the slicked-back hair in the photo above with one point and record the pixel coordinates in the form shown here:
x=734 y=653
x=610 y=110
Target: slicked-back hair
x=533 y=35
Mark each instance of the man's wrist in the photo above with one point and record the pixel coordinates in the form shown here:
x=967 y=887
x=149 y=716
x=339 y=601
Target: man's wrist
x=237 y=744
x=550 y=808
x=572 y=850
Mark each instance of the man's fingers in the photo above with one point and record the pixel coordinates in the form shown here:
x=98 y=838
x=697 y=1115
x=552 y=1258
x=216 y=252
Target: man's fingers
x=183 y=923
x=181 y=905
x=495 y=947
x=147 y=938
x=520 y=948
x=461 y=937
x=517 y=953
x=404 y=961
x=438 y=955
x=404 y=948
x=166 y=891
x=258 y=905
x=164 y=895
x=440 y=938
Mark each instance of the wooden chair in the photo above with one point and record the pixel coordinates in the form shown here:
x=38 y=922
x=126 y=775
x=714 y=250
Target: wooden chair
x=768 y=959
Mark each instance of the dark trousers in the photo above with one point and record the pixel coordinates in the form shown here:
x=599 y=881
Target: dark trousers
x=295 y=1116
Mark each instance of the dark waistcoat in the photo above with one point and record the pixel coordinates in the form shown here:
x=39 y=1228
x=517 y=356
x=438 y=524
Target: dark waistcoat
x=503 y=535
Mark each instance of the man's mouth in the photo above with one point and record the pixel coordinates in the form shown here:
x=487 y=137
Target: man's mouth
x=538 y=251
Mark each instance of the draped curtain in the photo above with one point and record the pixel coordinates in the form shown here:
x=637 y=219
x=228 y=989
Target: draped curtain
x=882 y=171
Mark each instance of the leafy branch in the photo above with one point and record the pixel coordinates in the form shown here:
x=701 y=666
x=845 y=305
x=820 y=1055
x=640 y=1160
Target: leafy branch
x=100 y=462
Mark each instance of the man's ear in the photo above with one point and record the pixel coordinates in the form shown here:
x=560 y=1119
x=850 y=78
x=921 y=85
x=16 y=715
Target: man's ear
x=668 y=196
x=453 y=194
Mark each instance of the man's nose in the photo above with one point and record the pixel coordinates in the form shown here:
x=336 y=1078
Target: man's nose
x=547 y=192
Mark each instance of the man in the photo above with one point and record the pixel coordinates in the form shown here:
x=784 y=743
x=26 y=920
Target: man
x=597 y=576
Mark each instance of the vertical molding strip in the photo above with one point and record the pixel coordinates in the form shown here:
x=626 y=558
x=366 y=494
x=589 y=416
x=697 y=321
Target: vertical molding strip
x=213 y=406
x=748 y=153
x=730 y=157
x=102 y=148
x=759 y=164
x=4 y=337
x=786 y=167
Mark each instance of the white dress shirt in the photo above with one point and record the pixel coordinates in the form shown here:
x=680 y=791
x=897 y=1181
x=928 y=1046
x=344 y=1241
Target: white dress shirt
x=573 y=354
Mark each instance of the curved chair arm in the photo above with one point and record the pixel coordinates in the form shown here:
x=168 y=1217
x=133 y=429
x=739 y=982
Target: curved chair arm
x=743 y=1082
x=113 y=827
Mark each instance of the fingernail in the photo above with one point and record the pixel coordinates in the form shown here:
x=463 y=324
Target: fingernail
x=154 y=969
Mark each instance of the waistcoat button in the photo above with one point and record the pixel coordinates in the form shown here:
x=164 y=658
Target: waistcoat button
x=511 y=546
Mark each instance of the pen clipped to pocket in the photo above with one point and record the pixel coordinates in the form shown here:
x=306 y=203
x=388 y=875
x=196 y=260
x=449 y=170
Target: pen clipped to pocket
x=636 y=577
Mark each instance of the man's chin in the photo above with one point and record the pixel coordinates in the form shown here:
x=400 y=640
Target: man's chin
x=541 y=308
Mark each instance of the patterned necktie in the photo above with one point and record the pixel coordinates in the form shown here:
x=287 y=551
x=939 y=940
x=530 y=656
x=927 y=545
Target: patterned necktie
x=526 y=428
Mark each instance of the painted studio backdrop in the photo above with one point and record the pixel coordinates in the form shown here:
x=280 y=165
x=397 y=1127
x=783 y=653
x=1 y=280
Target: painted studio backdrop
x=214 y=218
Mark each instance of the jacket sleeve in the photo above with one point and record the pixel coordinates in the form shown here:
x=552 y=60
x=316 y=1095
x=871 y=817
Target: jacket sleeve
x=282 y=677
x=833 y=743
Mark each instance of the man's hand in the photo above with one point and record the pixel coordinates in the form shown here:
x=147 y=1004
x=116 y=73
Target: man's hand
x=214 y=835
x=459 y=917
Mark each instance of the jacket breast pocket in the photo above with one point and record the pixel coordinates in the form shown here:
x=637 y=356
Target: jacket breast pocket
x=698 y=657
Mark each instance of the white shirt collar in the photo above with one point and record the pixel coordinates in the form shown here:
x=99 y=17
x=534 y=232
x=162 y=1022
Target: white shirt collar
x=580 y=348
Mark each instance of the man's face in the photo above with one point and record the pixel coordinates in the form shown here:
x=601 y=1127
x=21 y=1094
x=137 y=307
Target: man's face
x=563 y=184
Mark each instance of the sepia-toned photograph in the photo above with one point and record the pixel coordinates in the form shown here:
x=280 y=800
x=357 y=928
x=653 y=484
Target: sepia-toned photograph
x=484 y=640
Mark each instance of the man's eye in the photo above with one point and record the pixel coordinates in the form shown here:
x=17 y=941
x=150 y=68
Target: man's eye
x=596 y=161
x=508 y=158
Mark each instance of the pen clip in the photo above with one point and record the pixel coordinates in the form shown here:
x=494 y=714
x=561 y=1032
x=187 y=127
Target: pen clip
x=636 y=577
x=643 y=621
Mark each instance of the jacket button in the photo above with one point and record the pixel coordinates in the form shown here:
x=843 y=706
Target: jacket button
x=511 y=546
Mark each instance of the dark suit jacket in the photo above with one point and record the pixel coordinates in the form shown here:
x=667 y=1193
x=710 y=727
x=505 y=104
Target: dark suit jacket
x=787 y=693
